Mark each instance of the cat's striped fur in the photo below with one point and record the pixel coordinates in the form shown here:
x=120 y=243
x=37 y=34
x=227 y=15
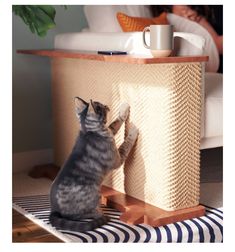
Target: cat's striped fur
x=75 y=193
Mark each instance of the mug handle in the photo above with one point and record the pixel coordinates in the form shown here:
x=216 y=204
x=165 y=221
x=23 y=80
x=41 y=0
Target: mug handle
x=144 y=40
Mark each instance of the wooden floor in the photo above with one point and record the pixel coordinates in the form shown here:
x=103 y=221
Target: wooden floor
x=24 y=230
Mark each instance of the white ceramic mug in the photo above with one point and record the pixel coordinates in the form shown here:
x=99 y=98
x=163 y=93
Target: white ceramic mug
x=162 y=39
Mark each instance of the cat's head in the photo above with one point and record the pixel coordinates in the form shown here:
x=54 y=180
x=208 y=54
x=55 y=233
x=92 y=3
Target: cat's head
x=99 y=111
x=95 y=110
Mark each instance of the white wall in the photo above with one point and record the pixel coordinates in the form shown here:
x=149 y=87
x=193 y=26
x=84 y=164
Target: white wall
x=32 y=116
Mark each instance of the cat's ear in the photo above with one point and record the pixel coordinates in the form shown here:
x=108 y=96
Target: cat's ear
x=93 y=108
x=80 y=104
x=97 y=108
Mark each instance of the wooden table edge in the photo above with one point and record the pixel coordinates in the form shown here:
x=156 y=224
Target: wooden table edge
x=130 y=59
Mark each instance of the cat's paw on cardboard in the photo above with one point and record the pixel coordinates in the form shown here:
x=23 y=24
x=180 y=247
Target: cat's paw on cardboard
x=124 y=111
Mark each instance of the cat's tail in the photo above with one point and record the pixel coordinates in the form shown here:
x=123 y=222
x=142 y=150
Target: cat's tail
x=60 y=222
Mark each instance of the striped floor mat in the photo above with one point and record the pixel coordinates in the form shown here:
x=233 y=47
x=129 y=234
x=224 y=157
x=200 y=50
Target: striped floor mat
x=208 y=228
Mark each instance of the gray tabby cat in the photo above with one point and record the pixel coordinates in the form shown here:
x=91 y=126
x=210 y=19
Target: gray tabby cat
x=75 y=192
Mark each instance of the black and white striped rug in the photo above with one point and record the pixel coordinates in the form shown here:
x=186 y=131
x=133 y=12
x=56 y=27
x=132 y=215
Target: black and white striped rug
x=208 y=228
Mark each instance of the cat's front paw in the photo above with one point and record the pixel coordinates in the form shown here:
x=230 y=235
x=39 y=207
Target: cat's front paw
x=124 y=111
x=133 y=132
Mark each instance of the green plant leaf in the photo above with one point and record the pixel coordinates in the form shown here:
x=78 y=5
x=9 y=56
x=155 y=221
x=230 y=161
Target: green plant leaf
x=43 y=21
x=49 y=10
x=39 y=18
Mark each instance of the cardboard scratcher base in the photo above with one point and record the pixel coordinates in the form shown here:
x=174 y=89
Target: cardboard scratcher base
x=134 y=211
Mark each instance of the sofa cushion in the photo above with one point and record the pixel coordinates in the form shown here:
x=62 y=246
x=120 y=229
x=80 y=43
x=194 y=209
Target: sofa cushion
x=213 y=105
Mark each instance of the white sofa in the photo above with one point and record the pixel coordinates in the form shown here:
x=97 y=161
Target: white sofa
x=104 y=33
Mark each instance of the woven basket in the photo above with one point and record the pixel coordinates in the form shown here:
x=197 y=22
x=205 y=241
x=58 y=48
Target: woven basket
x=165 y=99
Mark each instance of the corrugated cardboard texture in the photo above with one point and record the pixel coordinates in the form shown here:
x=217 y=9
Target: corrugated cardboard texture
x=165 y=100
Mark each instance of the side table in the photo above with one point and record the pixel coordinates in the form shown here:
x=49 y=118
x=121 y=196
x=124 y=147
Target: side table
x=165 y=96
